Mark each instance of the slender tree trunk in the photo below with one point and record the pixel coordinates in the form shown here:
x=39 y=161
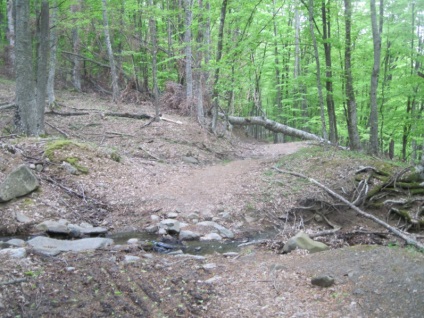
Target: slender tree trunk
x=352 y=127
x=332 y=120
x=152 y=24
x=377 y=29
x=114 y=75
x=76 y=70
x=42 y=65
x=199 y=57
x=218 y=59
x=11 y=34
x=188 y=54
x=26 y=115
x=319 y=86
x=53 y=58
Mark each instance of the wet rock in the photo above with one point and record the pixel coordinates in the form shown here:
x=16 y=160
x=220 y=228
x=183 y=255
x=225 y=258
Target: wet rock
x=322 y=281
x=230 y=254
x=188 y=236
x=211 y=237
x=224 y=232
x=133 y=241
x=19 y=182
x=64 y=227
x=171 y=226
x=56 y=227
x=151 y=229
x=16 y=242
x=302 y=241
x=14 y=252
x=49 y=246
x=22 y=218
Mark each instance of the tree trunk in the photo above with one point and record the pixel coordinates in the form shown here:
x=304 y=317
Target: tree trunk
x=319 y=86
x=199 y=72
x=376 y=36
x=26 y=115
x=352 y=124
x=53 y=58
x=114 y=75
x=188 y=54
x=42 y=65
x=218 y=59
x=11 y=34
x=76 y=70
x=332 y=120
x=152 y=24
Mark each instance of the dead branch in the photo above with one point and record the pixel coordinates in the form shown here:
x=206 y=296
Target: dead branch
x=129 y=115
x=57 y=129
x=14 y=281
x=55 y=112
x=171 y=121
x=395 y=231
x=273 y=126
x=119 y=134
x=7 y=106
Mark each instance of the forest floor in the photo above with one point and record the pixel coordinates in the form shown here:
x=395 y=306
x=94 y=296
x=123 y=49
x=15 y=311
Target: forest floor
x=137 y=171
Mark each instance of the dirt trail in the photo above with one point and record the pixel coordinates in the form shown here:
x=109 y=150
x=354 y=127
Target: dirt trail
x=218 y=186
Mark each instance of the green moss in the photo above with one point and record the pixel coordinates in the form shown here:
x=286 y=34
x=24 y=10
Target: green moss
x=57 y=145
x=74 y=161
x=115 y=156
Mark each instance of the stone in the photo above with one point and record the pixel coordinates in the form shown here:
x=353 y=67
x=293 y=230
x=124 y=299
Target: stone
x=212 y=280
x=131 y=259
x=191 y=256
x=22 y=218
x=39 y=167
x=188 y=236
x=191 y=160
x=209 y=266
x=14 y=252
x=21 y=181
x=154 y=218
x=170 y=225
x=151 y=229
x=49 y=246
x=133 y=241
x=58 y=227
x=69 y=168
x=16 y=242
x=193 y=215
x=224 y=232
x=302 y=241
x=172 y=215
x=322 y=281
x=230 y=254
x=211 y=237
x=88 y=230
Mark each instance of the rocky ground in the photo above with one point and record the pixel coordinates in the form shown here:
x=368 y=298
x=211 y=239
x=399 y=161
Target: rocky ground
x=126 y=177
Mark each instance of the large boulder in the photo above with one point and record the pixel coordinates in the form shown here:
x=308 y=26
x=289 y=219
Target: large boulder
x=302 y=241
x=19 y=182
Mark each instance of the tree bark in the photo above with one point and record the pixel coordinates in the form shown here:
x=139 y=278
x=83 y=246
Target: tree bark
x=218 y=59
x=376 y=36
x=187 y=50
x=318 y=65
x=42 y=65
x=76 y=70
x=26 y=115
x=53 y=57
x=113 y=72
x=273 y=126
x=11 y=34
x=352 y=120
x=152 y=24
x=332 y=120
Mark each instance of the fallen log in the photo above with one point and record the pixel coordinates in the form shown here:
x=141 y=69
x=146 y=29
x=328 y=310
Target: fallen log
x=273 y=126
x=409 y=240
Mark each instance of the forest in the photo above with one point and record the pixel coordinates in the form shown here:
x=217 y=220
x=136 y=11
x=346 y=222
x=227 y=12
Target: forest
x=350 y=72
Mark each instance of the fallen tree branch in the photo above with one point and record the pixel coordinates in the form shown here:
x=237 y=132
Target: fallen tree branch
x=15 y=281
x=7 y=106
x=57 y=129
x=273 y=126
x=395 y=231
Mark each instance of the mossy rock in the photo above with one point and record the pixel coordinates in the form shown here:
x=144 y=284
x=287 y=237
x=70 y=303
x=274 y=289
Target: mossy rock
x=60 y=144
x=74 y=162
